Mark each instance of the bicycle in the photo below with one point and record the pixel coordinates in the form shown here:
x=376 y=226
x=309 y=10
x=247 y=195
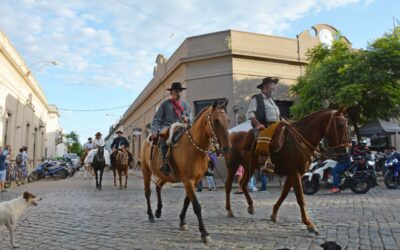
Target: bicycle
x=12 y=173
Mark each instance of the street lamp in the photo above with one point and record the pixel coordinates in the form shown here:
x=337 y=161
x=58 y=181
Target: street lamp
x=45 y=63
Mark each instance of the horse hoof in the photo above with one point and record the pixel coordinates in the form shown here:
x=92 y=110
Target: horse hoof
x=125 y=186
x=184 y=227
x=312 y=230
x=273 y=218
x=230 y=214
x=250 y=210
x=158 y=214
x=152 y=220
x=206 y=239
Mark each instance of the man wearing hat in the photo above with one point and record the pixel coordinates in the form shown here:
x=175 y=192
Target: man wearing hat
x=262 y=109
x=120 y=142
x=170 y=111
x=98 y=141
x=86 y=148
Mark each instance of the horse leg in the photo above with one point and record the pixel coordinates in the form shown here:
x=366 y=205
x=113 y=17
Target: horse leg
x=189 y=187
x=101 y=176
x=286 y=188
x=228 y=188
x=159 y=186
x=120 y=178
x=126 y=177
x=182 y=216
x=147 y=191
x=248 y=171
x=97 y=181
x=298 y=190
x=115 y=176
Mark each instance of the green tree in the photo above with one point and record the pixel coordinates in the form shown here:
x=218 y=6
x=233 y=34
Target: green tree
x=73 y=143
x=367 y=81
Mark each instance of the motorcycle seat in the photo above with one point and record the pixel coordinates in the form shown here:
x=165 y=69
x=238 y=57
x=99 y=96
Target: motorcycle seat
x=53 y=168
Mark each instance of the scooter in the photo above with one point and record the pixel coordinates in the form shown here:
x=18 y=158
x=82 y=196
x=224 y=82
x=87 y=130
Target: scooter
x=358 y=177
x=50 y=169
x=392 y=177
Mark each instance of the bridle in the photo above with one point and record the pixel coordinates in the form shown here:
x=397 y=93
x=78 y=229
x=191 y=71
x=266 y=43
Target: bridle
x=213 y=138
x=340 y=142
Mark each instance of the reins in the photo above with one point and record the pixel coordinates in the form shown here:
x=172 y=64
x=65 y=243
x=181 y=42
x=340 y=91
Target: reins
x=213 y=138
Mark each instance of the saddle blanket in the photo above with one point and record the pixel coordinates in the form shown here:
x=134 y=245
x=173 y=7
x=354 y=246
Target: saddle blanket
x=264 y=139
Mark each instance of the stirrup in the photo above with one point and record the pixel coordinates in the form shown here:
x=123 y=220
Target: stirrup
x=268 y=169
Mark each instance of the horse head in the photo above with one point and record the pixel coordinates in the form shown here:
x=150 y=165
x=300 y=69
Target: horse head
x=100 y=153
x=219 y=124
x=336 y=131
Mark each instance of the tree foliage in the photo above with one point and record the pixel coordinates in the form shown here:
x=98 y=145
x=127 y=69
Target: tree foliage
x=367 y=82
x=73 y=143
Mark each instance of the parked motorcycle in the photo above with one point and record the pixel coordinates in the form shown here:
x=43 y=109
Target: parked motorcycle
x=392 y=178
x=358 y=177
x=48 y=168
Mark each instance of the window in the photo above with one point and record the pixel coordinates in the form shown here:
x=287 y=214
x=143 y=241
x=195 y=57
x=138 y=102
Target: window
x=200 y=105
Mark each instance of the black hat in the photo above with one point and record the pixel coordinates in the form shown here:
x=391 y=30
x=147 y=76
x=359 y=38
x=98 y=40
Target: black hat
x=119 y=132
x=98 y=133
x=268 y=80
x=176 y=86
x=89 y=138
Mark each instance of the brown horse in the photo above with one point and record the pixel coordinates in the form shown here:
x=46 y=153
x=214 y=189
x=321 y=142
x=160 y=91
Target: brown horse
x=121 y=166
x=188 y=161
x=292 y=160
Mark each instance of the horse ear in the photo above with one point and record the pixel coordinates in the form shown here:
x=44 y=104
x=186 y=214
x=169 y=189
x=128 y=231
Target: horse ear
x=224 y=105
x=341 y=110
x=215 y=104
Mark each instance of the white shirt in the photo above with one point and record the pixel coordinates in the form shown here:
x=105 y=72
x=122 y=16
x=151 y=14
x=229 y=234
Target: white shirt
x=88 y=145
x=271 y=109
x=99 y=142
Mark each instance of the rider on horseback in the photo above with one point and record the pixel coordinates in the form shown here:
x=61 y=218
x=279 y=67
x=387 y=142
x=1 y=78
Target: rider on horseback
x=120 y=143
x=98 y=141
x=170 y=111
x=262 y=110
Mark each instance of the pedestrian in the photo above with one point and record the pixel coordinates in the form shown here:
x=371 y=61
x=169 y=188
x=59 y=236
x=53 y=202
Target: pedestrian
x=239 y=175
x=252 y=185
x=263 y=179
x=3 y=170
x=210 y=171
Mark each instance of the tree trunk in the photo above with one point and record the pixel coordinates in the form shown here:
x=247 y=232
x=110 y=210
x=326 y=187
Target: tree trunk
x=354 y=117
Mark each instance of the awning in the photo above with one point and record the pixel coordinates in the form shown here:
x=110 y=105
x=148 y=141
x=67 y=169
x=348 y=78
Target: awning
x=379 y=127
x=245 y=126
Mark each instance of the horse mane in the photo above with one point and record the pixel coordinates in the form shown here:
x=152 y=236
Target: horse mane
x=200 y=114
x=309 y=116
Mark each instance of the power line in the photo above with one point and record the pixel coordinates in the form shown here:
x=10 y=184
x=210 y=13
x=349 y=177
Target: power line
x=154 y=18
x=92 y=110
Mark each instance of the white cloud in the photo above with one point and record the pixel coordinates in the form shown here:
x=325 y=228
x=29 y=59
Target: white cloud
x=114 y=43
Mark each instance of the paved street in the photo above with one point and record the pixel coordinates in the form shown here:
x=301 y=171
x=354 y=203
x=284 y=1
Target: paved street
x=73 y=215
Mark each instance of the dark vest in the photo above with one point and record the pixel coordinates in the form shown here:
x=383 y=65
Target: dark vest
x=260 y=111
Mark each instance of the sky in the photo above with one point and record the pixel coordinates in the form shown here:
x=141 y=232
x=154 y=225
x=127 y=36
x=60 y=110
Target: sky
x=106 y=49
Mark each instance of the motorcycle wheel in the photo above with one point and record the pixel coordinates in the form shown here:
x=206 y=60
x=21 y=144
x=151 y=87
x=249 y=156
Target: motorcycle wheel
x=33 y=177
x=310 y=187
x=391 y=181
x=361 y=184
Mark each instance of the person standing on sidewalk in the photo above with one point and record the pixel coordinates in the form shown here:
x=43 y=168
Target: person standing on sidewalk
x=3 y=170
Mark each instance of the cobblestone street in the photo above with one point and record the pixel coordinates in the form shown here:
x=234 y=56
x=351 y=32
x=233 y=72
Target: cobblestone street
x=73 y=215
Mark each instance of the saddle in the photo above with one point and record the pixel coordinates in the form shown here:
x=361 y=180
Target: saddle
x=270 y=140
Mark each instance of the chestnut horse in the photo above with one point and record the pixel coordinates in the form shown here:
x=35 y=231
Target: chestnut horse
x=189 y=161
x=292 y=160
x=121 y=166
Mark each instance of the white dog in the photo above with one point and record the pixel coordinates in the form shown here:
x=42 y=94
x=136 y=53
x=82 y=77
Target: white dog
x=11 y=210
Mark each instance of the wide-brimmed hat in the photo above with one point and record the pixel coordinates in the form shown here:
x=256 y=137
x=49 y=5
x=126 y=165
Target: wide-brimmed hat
x=119 y=132
x=176 y=86
x=98 y=133
x=267 y=80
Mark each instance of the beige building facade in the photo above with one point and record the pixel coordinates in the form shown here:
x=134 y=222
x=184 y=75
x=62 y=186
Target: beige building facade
x=26 y=118
x=219 y=66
